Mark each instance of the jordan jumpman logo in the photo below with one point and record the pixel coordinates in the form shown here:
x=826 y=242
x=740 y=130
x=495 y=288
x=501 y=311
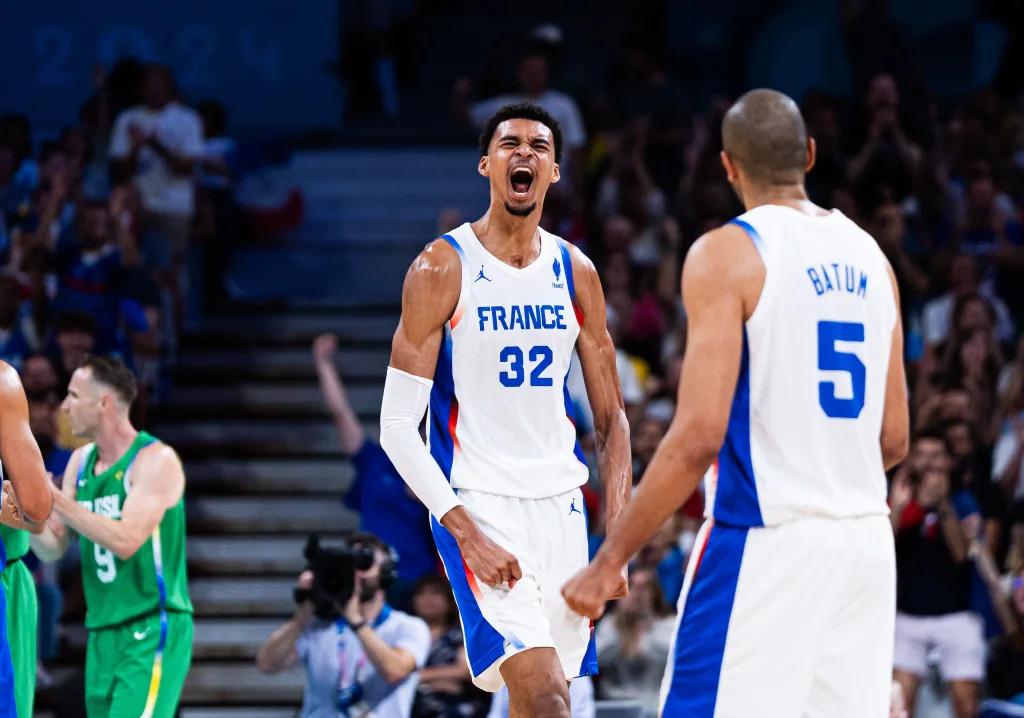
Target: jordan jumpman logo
x=573 y=509
x=481 y=275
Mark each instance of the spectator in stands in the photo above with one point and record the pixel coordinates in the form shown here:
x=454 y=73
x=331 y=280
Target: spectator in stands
x=42 y=419
x=888 y=160
x=1008 y=456
x=961 y=284
x=90 y=273
x=377 y=493
x=933 y=587
x=533 y=86
x=17 y=333
x=988 y=228
x=363 y=658
x=634 y=642
x=75 y=338
x=39 y=375
x=446 y=688
x=1006 y=658
x=157 y=145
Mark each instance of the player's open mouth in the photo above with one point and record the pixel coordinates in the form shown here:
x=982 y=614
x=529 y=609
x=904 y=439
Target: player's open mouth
x=521 y=180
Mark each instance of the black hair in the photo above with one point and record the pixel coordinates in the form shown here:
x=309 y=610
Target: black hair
x=113 y=372
x=522 y=111
x=75 y=322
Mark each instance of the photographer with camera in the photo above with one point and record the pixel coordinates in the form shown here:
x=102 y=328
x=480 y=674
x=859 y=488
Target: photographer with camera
x=361 y=657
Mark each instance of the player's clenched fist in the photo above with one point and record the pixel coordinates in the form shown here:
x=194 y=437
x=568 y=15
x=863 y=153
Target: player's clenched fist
x=489 y=562
x=587 y=591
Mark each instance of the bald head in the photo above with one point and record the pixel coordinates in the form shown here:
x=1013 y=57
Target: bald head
x=765 y=136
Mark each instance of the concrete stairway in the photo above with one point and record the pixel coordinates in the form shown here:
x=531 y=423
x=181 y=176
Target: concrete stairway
x=264 y=470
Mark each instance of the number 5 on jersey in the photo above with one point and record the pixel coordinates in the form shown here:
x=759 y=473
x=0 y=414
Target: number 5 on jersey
x=831 y=359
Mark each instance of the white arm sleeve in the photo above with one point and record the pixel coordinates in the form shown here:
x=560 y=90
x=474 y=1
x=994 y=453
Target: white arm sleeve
x=405 y=400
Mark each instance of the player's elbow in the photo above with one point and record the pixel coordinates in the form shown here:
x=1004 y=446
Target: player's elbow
x=700 y=442
x=895 y=445
x=127 y=546
x=36 y=509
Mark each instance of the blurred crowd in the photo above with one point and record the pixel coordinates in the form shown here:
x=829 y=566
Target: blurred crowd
x=940 y=186
x=96 y=223
x=96 y=220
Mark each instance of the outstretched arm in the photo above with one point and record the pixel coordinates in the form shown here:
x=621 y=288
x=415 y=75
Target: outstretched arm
x=429 y=299
x=721 y=268
x=158 y=483
x=350 y=431
x=19 y=452
x=597 y=357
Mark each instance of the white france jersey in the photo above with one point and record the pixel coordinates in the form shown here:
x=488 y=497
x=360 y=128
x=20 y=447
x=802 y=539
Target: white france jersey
x=806 y=417
x=500 y=416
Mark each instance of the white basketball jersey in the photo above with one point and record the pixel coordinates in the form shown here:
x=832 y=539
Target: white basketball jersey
x=806 y=418
x=500 y=415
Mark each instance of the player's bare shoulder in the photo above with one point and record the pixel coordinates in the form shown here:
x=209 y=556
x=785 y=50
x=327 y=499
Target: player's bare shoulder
x=725 y=259
x=10 y=384
x=434 y=279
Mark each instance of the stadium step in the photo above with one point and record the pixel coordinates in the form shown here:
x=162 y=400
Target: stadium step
x=237 y=438
x=240 y=683
x=268 y=476
x=262 y=457
x=277 y=363
x=243 y=597
x=246 y=555
x=283 y=328
x=268 y=514
x=215 y=638
x=265 y=399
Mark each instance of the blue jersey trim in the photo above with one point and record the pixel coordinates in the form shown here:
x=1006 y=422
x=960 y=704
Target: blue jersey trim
x=442 y=396
x=736 y=501
x=755 y=237
x=484 y=645
x=452 y=241
x=700 y=641
x=8 y=709
x=570 y=285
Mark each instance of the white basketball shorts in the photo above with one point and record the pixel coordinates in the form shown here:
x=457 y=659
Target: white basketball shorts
x=549 y=538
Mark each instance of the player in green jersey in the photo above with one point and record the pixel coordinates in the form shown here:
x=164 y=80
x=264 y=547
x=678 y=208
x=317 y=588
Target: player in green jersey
x=22 y=616
x=123 y=495
x=25 y=504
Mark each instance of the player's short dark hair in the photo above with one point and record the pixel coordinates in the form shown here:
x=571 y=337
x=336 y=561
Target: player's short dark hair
x=113 y=372
x=764 y=133
x=522 y=111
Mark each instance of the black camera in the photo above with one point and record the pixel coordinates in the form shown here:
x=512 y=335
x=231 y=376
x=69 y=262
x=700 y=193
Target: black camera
x=334 y=566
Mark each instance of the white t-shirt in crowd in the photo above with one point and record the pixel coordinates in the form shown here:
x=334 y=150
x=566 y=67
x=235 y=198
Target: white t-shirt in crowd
x=338 y=667
x=180 y=130
x=560 y=105
x=938 y=316
x=1005 y=449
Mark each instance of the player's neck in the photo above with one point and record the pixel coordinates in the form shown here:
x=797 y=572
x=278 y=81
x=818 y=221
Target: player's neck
x=513 y=240
x=114 y=440
x=789 y=195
